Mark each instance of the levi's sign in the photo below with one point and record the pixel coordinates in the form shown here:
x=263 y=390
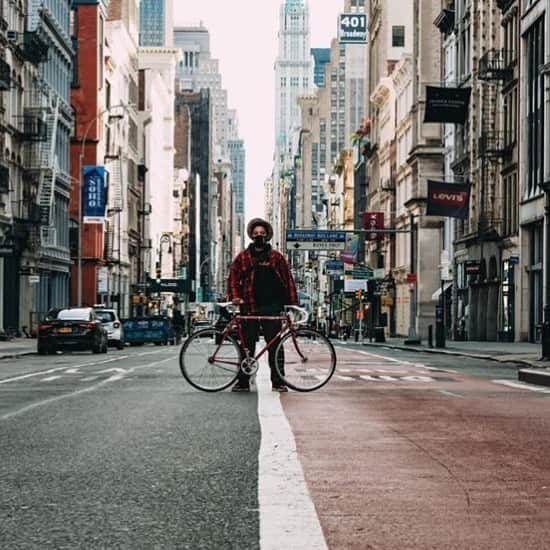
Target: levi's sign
x=448 y=199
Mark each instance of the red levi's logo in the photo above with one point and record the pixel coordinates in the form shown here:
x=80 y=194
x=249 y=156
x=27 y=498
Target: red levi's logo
x=450 y=199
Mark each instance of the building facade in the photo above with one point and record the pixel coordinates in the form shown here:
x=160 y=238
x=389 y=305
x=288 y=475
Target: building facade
x=156 y=23
x=293 y=78
x=34 y=210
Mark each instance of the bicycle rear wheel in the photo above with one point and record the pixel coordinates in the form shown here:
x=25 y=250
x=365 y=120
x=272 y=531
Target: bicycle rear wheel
x=210 y=361
x=305 y=359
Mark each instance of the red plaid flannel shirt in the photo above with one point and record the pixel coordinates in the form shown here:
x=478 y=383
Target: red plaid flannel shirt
x=241 y=278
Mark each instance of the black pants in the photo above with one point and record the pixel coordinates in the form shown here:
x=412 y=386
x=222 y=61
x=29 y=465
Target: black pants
x=251 y=331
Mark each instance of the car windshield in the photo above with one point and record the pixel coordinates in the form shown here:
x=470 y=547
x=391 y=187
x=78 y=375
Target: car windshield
x=105 y=316
x=74 y=315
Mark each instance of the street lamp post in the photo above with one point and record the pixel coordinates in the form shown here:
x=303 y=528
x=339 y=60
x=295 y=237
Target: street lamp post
x=80 y=190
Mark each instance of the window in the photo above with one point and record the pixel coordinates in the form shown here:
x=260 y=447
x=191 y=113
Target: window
x=535 y=108
x=398 y=36
x=510 y=203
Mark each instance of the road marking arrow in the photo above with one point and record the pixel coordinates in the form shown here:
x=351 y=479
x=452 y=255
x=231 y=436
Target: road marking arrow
x=114 y=369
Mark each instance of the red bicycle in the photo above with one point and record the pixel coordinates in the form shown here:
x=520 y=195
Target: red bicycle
x=210 y=359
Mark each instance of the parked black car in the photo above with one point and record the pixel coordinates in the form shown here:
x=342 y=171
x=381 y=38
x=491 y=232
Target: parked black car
x=75 y=328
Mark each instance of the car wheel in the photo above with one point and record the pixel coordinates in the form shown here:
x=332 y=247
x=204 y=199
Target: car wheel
x=42 y=350
x=120 y=345
x=97 y=348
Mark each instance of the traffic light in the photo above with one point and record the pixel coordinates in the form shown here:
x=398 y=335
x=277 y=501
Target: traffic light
x=158 y=270
x=359 y=294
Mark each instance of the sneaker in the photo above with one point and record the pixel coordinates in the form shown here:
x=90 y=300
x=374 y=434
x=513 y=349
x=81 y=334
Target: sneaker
x=241 y=387
x=280 y=388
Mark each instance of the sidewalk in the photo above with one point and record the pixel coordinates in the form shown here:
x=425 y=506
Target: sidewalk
x=17 y=347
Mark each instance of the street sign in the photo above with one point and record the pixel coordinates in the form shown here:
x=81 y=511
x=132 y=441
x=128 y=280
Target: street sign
x=304 y=239
x=34 y=279
x=412 y=278
x=513 y=260
x=168 y=285
x=334 y=267
x=360 y=273
x=472 y=267
x=352 y=28
x=351 y=285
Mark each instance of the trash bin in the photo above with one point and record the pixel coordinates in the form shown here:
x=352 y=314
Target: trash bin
x=379 y=334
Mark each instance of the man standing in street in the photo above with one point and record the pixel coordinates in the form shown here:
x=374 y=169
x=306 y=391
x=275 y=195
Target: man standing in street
x=261 y=283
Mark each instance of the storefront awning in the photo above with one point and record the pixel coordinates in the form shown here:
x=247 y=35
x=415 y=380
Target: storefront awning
x=437 y=293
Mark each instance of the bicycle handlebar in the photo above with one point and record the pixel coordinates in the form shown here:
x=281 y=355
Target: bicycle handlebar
x=302 y=311
x=304 y=314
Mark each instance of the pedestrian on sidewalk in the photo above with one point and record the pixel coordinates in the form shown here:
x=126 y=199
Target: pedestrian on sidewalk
x=260 y=282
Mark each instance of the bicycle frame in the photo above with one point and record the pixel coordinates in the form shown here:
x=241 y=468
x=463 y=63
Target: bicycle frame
x=236 y=323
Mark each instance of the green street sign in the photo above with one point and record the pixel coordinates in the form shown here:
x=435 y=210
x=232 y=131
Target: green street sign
x=360 y=273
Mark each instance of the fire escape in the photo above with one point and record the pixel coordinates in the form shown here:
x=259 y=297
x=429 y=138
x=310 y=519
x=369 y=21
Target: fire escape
x=495 y=70
x=37 y=129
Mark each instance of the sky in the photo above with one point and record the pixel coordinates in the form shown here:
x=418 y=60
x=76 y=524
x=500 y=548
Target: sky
x=243 y=37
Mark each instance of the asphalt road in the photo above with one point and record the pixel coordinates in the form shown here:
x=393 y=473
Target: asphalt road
x=401 y=450
x=123 y=454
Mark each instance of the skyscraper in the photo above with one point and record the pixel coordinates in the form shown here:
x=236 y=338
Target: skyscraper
x=155 y=22
x=197 y=70
x=321 y=56
x=293 y=78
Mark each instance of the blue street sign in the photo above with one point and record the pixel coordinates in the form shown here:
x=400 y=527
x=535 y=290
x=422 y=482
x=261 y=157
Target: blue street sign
x=94 y=194
x=304 y=239
x=513 y=260
x=303 y=235
x=334 y=264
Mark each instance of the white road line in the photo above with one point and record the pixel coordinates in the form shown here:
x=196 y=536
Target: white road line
x=51 y=378
x=114 y=378
x=346 y=378
x=57 y=369
x=287 y=515
x=89 y=378
x=58 y=398
x=522 y=386
x=451 y=394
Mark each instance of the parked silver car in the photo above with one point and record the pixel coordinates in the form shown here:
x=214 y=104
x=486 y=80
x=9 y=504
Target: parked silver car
x=109 y=319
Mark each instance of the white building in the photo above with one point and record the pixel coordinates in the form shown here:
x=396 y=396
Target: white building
x=196 y=69
x=293 y=78
x=121 y=154
x=160 y=74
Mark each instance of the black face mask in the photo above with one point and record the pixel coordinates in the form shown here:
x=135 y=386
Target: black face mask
x=259 y=241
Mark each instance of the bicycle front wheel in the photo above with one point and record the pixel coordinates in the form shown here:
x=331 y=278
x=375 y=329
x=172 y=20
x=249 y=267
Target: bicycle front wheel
x=210 y=361
x=305 y=359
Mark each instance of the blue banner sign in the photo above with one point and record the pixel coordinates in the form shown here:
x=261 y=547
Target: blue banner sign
x=94 y=194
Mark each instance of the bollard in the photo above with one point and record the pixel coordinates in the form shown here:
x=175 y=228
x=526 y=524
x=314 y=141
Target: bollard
x=430 y=336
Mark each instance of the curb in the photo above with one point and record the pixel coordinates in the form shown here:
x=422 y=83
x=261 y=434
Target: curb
x=16 y=354
x=535 y=376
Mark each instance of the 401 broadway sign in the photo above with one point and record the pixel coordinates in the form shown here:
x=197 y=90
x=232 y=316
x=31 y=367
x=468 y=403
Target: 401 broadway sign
x=448 y=199
x=352 y=28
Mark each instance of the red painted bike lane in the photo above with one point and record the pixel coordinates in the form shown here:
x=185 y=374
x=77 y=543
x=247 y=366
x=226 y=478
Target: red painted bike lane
x=397 y=456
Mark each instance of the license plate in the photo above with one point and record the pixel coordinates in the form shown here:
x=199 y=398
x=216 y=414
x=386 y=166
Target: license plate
x=65 y=330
